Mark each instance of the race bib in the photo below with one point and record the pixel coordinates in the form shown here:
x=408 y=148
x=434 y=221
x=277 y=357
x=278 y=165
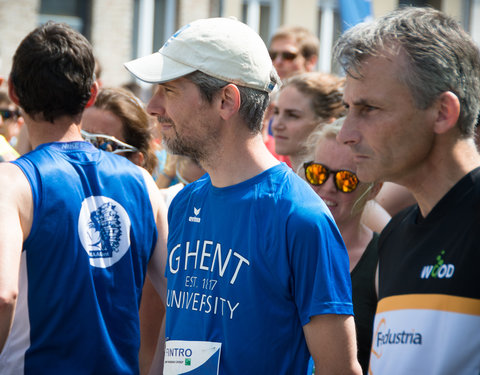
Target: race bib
x=184 y=356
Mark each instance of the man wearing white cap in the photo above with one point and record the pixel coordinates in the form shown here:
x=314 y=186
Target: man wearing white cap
x=258 y=275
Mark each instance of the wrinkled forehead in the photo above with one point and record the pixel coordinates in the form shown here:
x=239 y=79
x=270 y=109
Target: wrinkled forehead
x=391 y=52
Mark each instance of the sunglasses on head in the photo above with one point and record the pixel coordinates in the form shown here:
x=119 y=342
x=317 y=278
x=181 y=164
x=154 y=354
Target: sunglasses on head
x=317 y=174
x=8 y=113
x=108 y=143
x=287 y=56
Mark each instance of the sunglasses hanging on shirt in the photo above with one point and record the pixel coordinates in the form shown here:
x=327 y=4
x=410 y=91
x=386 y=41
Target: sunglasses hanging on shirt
x=108 y=143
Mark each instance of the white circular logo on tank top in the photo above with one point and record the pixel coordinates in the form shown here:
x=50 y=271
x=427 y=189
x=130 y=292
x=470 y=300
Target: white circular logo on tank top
x=104 y=230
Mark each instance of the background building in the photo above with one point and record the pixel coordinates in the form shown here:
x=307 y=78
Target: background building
x=120 y=30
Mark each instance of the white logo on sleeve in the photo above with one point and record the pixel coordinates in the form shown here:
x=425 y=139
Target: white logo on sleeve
x=196 y=212
x=104 y=230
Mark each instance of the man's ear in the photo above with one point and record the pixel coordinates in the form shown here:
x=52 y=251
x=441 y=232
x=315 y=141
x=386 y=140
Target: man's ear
x=12 y=93
x=229 y=101
x=93 y=94
x=448 y=112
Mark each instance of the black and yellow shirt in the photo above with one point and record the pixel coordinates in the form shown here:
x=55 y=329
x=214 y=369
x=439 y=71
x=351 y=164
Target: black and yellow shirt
x=428 y=314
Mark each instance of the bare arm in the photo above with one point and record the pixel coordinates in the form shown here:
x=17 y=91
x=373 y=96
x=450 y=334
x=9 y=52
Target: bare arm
x=332 y=344
x=16 y=213
x=375 y=216
x=152 y=310
x=158 y=262
x=152 y=314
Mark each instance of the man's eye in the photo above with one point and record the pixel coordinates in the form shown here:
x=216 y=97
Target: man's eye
x=368 y=108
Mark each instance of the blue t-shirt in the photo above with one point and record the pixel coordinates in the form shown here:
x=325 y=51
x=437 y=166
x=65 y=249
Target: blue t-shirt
x=83 y=264
x=248 y=266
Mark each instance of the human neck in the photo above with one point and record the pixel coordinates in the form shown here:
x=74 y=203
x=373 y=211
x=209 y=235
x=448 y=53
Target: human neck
x=435 y=177
x=238 y=159
x=297 y=160
x=64 y=129
x=356 y=237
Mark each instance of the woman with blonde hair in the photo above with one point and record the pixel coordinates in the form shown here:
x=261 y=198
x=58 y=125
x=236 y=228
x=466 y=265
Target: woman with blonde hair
x=331 y=173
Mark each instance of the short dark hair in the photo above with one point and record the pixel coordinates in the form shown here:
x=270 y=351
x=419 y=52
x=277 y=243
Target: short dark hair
x=52 y=72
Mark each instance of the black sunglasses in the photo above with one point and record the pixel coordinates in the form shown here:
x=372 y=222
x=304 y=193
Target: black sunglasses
x=9 y=113
x=108 y=143
x=317 y=174
x=287 y=56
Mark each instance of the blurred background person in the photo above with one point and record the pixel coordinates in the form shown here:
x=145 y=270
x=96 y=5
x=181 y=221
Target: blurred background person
x=294 y=50
x=187 y=170
x=118 y=113
x=7 y=152
x=304 y=102
x=10 y=125
x=331 y=173
x=11 y=119
x=165 y=174
x=267 y=131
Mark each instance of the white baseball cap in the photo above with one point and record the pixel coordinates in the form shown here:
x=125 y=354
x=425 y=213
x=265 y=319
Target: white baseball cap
x=223 y=48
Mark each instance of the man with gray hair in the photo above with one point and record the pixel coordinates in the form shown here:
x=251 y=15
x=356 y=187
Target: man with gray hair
x=412 y=92
x=258 y=275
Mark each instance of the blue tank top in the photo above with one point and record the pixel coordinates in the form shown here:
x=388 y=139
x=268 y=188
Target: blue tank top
x=92 y=235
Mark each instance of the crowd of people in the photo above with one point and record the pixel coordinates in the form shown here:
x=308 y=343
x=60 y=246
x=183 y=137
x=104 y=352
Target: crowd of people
x=254 y=216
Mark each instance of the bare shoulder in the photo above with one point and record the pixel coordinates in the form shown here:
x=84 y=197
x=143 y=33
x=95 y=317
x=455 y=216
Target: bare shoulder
x=16 y=201
x=13 y=181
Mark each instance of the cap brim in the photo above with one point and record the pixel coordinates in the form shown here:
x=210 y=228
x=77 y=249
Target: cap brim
x=157 y=68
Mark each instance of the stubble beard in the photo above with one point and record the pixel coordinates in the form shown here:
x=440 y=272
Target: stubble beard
x=179 y=146
x=195 y=148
